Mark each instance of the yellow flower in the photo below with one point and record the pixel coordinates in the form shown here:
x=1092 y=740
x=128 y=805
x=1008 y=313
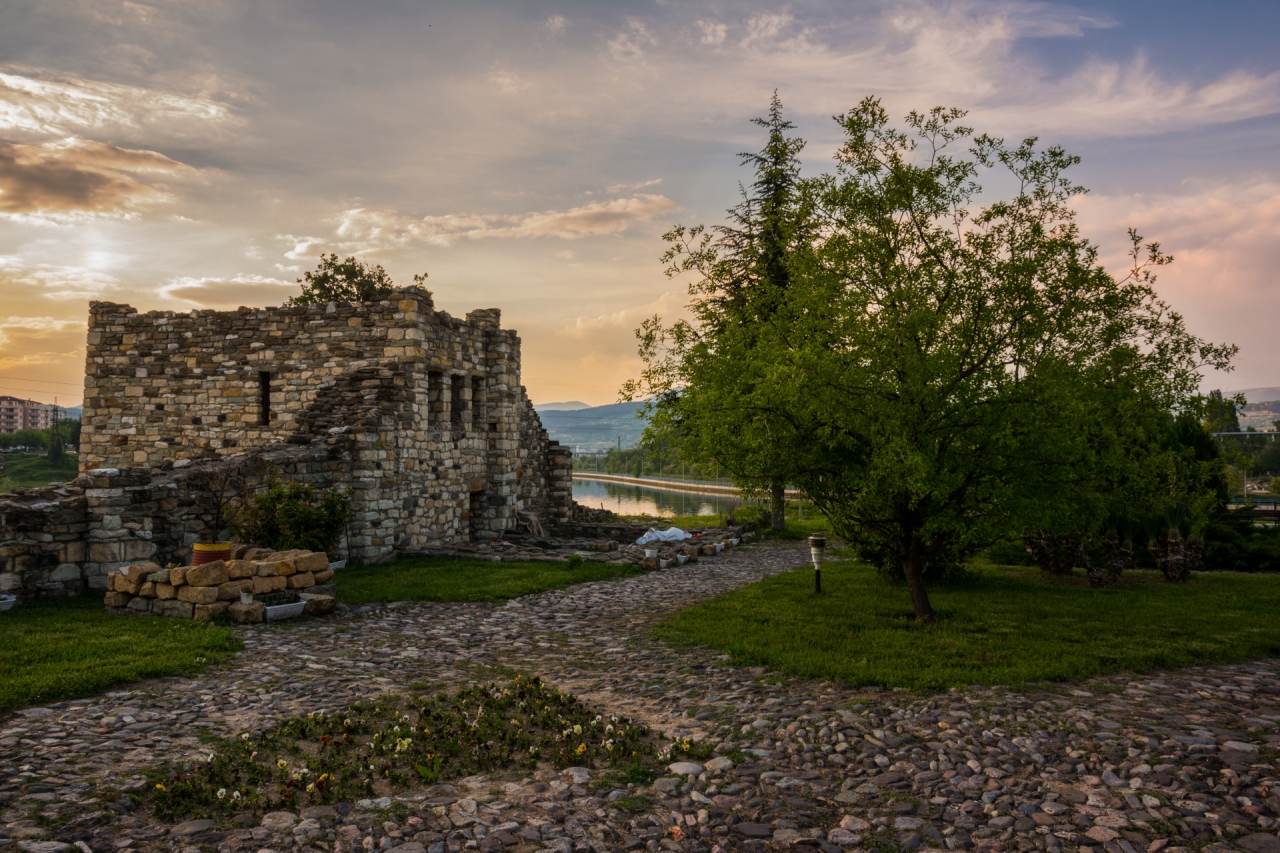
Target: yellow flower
x=160 y=786
x=582 y=747
x=282 y=764
x=311 y=788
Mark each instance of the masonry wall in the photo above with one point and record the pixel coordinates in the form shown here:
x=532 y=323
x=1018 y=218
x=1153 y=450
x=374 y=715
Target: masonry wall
x=441 y=442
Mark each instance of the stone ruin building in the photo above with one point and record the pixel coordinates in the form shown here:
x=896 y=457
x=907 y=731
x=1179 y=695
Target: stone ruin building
x=418 y=415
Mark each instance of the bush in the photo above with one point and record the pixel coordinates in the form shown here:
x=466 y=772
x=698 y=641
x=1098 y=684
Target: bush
x=754 y=516
x=574 y=561
x=293 y=515
x=1234 y=543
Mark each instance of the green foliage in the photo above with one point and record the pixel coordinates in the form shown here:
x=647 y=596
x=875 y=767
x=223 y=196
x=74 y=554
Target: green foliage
x=32 y=439
x=1235 y=543
x=1220 y=412
x=942 y=371
x=372 y=749
x=292 y=515
x=31 y=470
x=72 y=648
x=427 y=579
x=350 y=280
x=574 y=561
x=1013 y=626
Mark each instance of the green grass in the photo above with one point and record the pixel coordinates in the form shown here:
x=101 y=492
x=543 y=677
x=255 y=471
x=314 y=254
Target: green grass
x=1009 y=627
x=72 y=648
x=425 y=579
x=31 y=470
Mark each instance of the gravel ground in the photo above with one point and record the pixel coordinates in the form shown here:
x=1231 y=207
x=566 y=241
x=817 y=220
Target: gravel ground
x=1171 y=761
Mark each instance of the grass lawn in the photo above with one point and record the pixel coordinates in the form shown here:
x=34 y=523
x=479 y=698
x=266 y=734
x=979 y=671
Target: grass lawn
x=425 y=579
x=1010 y=627
x=30 y=470
x=72 y=648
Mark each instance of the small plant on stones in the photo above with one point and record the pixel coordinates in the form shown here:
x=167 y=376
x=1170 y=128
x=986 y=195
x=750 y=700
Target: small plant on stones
x=374 y=749
x=687 y=750
x=574 y=561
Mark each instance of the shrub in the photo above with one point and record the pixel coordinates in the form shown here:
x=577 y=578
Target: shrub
x=574 y=561
x=293 y=515
x=754 y=516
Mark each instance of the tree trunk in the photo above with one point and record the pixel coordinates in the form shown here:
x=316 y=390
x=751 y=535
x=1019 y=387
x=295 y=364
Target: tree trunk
x=779 y=494
x=913 y=569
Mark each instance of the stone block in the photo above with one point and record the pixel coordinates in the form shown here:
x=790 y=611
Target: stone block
x=230 y=591
x=198 y=594
x=239 y=569
x=173 y=609
x=281 y=568
x=178 y=576
x=140 y=606
x=210 y=574
x=106 y=552
x=323 y=577
x=10 y=581
x=302 y=580
x=138 y=549
x=273 y=584
x=691 y=551
x=117 y=599
x=252 y=554
x=324 y=589
x=318 y=605
x=650 y=564
x=161 y=576
x=708 y=550
x=148 y=590
x=166 y=591
x=137 y=573
x=65 y=572
x=206 y=612
x=317 y=561
x=247 y=612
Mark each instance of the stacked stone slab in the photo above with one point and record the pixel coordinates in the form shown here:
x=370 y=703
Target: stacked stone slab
x=205 y=591
x=42 y=541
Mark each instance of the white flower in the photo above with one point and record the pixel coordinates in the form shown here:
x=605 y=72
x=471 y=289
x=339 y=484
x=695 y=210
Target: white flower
x=235 y=795
x=577 y=730
x=222 y=792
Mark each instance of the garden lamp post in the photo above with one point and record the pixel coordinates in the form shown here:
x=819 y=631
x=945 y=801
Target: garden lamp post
x=817 y=543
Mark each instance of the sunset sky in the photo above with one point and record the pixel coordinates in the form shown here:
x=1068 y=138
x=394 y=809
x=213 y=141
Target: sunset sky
x=528 y=156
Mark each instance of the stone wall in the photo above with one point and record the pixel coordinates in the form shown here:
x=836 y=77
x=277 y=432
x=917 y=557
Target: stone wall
x=419 y=416
x=42 y=541
x=445 y=446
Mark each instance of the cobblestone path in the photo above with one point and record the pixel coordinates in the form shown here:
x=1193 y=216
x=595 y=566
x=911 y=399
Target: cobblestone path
x=1170 y=761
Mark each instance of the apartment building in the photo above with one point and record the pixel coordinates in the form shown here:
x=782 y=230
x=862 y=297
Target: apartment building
x=16 y=414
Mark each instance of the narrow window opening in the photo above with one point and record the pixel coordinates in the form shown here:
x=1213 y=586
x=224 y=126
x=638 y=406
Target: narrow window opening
x=264 y=395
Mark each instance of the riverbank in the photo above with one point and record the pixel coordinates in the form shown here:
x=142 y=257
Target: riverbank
x=665 y=484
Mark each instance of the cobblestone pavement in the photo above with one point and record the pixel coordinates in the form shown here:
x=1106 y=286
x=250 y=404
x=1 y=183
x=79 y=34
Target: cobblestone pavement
x=1162 y=762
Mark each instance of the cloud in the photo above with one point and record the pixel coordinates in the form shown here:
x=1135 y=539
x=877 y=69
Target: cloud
x=69 y=105
x=76 y=178
x=242 y=289
x=1225 y=240
x=617 y=188
x=56 y=282
x=630 y=44
x=508 y=82
x=556 y=24
x=382 y=228
x=712 y=32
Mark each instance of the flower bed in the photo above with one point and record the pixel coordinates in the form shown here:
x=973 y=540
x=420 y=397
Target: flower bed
x=375 y=749
x=206 y=591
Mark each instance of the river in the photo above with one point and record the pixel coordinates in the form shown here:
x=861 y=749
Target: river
x=642 y=500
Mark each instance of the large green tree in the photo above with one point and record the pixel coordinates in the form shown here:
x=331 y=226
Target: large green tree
x=947 y=367
x=742 y=273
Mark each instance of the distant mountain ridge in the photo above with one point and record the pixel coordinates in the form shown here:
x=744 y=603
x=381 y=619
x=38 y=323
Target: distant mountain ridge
x=571 y=406
x=594 y=429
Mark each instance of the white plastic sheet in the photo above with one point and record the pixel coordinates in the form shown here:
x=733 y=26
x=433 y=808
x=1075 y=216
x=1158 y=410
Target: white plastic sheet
x=671 y=534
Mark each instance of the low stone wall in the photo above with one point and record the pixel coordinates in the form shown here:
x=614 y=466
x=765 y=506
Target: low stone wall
x=213 y=589
x=42 y=541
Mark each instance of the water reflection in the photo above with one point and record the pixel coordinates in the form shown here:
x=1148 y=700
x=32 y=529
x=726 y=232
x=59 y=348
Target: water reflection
x=639 y=500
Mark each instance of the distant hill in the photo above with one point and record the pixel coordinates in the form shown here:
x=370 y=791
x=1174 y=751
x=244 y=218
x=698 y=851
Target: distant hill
x=571 y=406
x=594 y=429
x=1259 y=395
x=74 y=412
